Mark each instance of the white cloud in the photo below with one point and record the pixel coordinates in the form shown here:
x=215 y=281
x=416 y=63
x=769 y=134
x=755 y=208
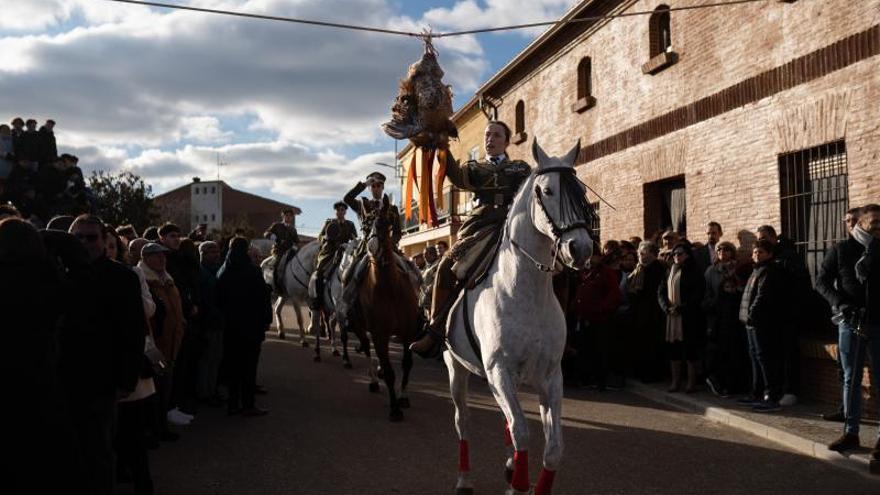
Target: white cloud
x=472 y=14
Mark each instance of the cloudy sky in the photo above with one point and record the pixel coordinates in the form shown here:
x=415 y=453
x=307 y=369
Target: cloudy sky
x=292 y=110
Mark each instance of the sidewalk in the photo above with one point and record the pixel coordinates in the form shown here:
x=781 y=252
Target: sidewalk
x=800 y=428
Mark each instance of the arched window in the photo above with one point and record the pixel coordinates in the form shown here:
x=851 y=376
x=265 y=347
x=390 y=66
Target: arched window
x=660 y=31
x=520 y=120
x=584 y=78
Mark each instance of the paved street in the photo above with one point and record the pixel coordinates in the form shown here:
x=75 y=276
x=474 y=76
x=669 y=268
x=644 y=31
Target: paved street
x=326 y=434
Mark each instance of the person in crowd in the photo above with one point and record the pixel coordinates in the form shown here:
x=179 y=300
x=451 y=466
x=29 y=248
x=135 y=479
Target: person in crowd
x=102 y=351
x=136 y=409
x=855 y=298
x=151 y=233
x=128 y=232
x=596 y=300
x=635 y=241
x=116 y=250
x=762 y=312
x=418 y=259
x=30 y=145
x=797 y=279
x=187 y=266
x=668 y=240
x=827 y=281
x=7 y=210
x=680 y=296
x=442 y=247
x=17 y=134
x=724 y=332
x=210 y=321
x=706 y=254
x=32 y=295
x=244 y=300
x=649 y=318
x=432 y=260
x=48 y=148
x=168 y=330
x=200 y=233
x=7 y=152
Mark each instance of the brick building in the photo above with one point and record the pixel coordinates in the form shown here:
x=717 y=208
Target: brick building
x=759 y=113
x=220 y=206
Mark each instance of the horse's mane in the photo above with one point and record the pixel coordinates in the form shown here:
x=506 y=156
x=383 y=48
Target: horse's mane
x=523 y=190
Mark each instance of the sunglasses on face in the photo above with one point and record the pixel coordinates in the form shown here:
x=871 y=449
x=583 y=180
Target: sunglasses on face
x=87 y=237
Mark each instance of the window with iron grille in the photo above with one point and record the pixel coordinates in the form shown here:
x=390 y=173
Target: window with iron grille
x=595 y=224
x=814 y=196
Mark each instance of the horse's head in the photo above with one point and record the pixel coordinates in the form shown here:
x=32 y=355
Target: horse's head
x=379 y=241
x=559 y=207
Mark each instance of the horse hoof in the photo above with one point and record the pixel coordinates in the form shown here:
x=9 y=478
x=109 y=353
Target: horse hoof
x=347 y=365
x=464 y=491
x=374 y=387
x=396 y=416
x=316 y=359
x=403 y=402
x=336 y=353
x=305 y=344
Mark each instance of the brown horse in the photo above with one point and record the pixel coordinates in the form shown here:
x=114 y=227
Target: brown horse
x=387 y=305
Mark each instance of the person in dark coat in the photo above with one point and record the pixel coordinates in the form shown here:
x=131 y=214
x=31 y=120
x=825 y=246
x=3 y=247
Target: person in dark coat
x=761 y=311
x=211 y=322
x=102 y=348
x=855 y=298
x=244 y=299
x=596 y=299
x=650 y=320
x=38 y=433
x=48 y=146
x=680 y=296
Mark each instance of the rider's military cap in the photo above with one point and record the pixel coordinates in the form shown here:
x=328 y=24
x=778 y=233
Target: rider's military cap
x=339 y=204
x=378 y=176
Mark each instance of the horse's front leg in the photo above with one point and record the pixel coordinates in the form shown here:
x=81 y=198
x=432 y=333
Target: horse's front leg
x=381 y=346
x=343 y=335
x=458 y=387
x=504 y=389
x=332 y=332
x=297 y=311
x=550 y=397
x=315 y=330
x=276 y=310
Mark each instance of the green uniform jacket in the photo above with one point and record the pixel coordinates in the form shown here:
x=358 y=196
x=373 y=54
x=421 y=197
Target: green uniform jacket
x=328 y=247
x=366 y=210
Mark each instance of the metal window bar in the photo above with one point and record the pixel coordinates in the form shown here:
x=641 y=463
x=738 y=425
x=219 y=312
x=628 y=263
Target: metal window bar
x=814 y=197
x=596 y=224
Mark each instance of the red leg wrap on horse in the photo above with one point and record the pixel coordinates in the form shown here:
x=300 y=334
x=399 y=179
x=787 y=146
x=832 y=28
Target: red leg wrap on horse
x=464 y=456
x=545 y=482
x=520 y=481
x=508 y=441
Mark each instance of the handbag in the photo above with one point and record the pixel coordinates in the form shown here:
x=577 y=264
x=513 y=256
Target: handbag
x=155 y=363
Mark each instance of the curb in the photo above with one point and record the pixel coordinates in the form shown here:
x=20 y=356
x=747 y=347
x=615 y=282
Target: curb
x=856 y=462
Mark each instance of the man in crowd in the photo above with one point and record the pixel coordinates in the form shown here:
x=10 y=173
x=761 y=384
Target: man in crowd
x=705 y=255
x=828 y=281
x=418 y=259
x=494 y=182
x=211 y=322
x=442 y=247
x=855 y=298
x=103 y=345
x=48 y=147
x=428 y=275
x=335 y=233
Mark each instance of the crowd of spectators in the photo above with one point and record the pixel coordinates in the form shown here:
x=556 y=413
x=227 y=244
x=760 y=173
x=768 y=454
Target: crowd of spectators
x=33 y=177
x=115 y=341
x=704 y=315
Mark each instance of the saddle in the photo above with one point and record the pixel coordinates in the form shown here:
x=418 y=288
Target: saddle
x=474 y=256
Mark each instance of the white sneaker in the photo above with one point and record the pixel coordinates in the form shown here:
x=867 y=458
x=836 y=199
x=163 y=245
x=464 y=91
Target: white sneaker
x=788 y=400
x=177 y=418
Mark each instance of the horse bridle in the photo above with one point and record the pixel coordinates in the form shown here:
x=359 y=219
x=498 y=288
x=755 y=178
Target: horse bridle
x=557 y=230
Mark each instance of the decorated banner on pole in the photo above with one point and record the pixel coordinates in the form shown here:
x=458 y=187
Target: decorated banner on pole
x=421 y=113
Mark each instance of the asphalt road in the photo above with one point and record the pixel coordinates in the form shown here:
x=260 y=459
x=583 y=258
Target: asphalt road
x=326 y=434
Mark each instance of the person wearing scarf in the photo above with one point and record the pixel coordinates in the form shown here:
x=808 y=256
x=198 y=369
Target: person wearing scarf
x=680 y=296
x=854 y=295
x=650 y=320
x=244 y=299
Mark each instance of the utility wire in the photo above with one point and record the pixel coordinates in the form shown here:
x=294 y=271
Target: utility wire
x=425 y=34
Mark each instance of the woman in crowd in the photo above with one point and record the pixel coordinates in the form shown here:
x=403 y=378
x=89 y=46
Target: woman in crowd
x=668 y=240
x=681 y=296
x=597 y=298
x=649 y=318
x=726 y=338
x=244 y=299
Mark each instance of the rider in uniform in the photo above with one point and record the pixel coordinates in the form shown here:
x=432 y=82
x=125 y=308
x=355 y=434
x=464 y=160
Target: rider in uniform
x=494 y=183
x=367 y=210
x=286 y=240
x=335 y=233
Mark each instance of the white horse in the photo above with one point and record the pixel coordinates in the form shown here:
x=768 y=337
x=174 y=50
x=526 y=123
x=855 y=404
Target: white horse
x=510 y=328
x=296 y=283
x=333 y=309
